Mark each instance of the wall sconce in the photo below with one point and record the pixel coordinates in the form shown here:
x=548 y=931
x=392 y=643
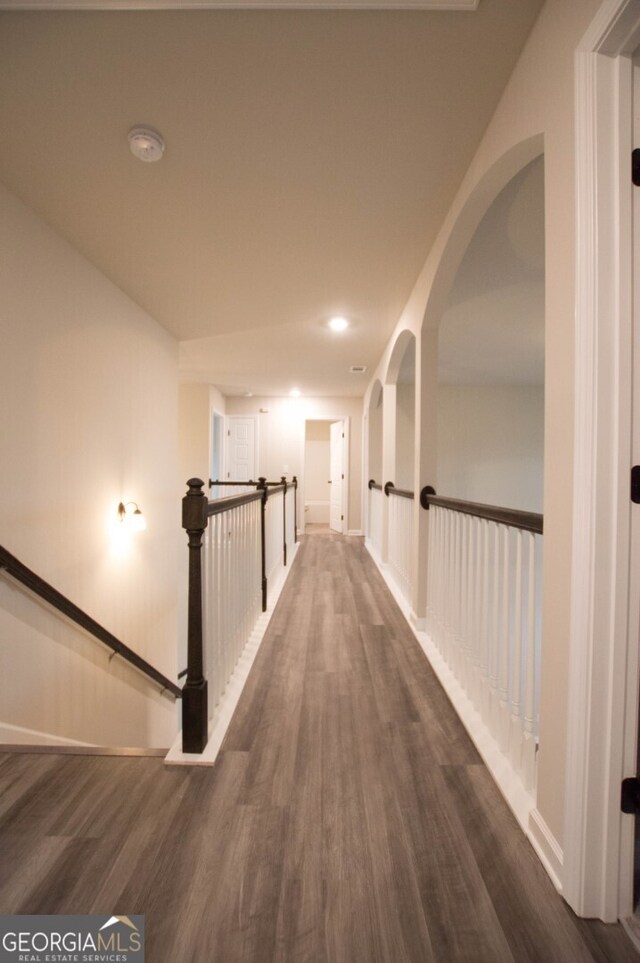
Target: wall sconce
x=131 y=517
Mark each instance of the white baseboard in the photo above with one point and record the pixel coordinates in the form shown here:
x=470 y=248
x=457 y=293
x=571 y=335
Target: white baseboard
x=547 y=848
x=355 y=531
x=19 y=736
x=368 y=544
x=223 y=713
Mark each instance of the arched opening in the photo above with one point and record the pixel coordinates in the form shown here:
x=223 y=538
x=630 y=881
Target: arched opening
x=375 y=433
x=402 y=373
x=375 y=512
x=491 y=356
x=405 y=417
x=479 y=552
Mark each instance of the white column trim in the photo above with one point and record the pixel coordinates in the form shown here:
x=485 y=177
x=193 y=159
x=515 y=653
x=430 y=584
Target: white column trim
x=600 y=571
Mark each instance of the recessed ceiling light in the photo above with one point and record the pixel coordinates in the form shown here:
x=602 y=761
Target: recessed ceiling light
x=146 y=144
x=248 y=394
x=295 y=392
x=338 y=324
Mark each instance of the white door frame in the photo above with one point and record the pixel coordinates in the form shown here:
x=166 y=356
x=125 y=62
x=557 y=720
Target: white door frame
x=214 y=413
x=256 y=441
x=602 y=662
x=345 y=419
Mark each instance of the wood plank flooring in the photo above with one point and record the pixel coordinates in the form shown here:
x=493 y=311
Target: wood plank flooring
x=348 y=819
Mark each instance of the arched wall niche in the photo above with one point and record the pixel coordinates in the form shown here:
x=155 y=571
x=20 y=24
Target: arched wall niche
x=401 y=373
x=375 y=432
x=403 y=341
x=482 y=196
x=488 y=444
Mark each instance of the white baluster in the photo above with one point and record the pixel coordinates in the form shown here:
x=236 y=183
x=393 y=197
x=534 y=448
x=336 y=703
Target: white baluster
x=504 y=645
x=515 y=735
x=529 y=744
x=495 y=633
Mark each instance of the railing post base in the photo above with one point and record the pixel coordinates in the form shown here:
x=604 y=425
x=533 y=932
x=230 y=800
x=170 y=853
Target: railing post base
x=195 y=717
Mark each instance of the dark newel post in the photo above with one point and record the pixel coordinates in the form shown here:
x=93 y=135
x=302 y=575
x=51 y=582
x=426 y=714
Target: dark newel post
x=295 y=509
x=283 y=479
x=195 y=716
x=262 y=485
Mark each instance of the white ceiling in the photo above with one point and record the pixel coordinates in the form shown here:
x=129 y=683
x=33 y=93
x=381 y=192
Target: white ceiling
x=311 y=157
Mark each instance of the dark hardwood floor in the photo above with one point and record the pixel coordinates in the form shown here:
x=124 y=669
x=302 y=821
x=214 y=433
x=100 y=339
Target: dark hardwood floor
x=348 y=819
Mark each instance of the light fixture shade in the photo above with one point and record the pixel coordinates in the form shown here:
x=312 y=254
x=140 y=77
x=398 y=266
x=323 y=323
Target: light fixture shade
x=338 y=324
x=146 y=144
x=131 y=517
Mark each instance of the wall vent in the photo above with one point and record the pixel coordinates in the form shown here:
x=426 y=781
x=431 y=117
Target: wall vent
x=358 y=368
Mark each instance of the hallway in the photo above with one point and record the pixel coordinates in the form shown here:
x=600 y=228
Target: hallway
x=348 y=819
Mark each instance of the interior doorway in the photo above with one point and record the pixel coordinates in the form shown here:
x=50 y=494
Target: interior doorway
x=324 y=476
x=242 y=448
x=216 y=464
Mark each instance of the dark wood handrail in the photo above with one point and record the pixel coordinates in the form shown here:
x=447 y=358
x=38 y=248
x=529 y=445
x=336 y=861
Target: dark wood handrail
x=219 y=481
x=374 y=484
x=219 y=505
x=390 y=489
x=526 y=521
x=61 y=603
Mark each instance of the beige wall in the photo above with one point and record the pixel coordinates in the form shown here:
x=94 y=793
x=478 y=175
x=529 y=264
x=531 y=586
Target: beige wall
x=282 y=434
x=194 y=428
x=536 y=112
x=196 y=404
x=88 y=418
x=491 y=444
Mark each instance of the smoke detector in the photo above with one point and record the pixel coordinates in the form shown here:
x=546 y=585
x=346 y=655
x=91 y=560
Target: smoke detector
x=358 y=368
x=146 y=144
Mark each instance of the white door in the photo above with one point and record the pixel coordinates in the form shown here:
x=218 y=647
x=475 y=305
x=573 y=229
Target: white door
x=241 y=448
x=336 y=472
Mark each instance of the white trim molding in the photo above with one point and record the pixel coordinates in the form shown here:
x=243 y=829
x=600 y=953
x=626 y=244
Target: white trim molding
x=600 y=566
x=547 y=848
x=451 y=5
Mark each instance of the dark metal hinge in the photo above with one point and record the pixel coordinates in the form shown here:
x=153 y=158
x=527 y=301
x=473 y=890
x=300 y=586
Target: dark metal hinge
x=635 y=484
x=635 y=166
x=630 y=795
x=342 y=518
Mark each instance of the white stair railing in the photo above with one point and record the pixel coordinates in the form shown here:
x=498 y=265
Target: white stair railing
x=374 y=527
x=274 y=531
x=484 y=587
x=291 y=516
x=400 y=538
x=237 y=544
x=232 y=593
